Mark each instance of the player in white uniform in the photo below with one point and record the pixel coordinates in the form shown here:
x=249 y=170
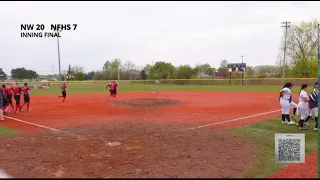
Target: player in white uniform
x=303 y=106
x=313 y=105
x=285 y=100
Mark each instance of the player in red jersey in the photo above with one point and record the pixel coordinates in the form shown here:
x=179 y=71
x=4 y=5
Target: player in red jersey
x=17 y=96
x=26 y=96
x=5 y=98
x=64 y=91
x=1 y=105
x=113 y=90
x=10 y=94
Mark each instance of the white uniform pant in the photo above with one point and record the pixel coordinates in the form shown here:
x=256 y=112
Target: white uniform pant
x=294 y=105
x=314 y=112
x=304 y=110
x=285 y=106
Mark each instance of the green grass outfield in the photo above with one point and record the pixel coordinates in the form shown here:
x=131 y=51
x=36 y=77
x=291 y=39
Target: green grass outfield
x=97 y=87
x=262 y=135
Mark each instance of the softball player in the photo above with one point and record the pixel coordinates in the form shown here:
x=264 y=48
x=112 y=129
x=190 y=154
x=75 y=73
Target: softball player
x=295 y=108
x=303 y=106
x=313 y=105
x=1 y=104
x=285 y=100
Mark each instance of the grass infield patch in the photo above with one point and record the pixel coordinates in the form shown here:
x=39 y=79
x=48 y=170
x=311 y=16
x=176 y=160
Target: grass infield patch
x=4 y=131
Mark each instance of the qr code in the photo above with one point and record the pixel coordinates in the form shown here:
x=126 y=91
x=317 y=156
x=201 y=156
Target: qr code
x=290 y=148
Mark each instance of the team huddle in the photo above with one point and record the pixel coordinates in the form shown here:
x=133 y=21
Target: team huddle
x=307 y=106
x=8 y=92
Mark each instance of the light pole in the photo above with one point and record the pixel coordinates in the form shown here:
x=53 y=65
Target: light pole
x=119 y=72
x=59 y=55
x=241 y=69
x=286 y=25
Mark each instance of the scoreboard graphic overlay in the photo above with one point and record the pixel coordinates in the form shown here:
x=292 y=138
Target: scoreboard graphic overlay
x=236 y=67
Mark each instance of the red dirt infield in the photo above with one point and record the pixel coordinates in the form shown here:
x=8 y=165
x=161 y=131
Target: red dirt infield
x=221 y=110
x=197 y=108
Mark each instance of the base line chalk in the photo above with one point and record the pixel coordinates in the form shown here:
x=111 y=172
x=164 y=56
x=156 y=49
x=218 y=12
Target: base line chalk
x=34 y=124
x=231 y=120
x=46 y=127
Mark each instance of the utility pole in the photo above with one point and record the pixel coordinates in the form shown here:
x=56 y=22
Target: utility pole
x=318 y=50
x=285 y=25
x=242 y=69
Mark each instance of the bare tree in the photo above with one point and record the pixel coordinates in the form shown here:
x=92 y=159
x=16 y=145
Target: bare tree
x=77 y=68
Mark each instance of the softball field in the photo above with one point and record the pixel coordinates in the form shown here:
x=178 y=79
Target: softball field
x=150 y=131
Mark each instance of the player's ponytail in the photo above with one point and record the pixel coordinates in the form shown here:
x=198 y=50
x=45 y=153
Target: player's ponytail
x=303 y=86
x=288 y=85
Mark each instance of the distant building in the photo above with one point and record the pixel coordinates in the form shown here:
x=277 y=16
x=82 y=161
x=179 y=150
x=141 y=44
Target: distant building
x=204 y=76
x=221 y=75
x=42 y=78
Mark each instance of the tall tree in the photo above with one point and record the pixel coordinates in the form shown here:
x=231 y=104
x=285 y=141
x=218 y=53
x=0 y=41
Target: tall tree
x=162 y=70
x=223 y=66
x=147 y=68
x=204 y=69
x=302 y=43
x=89 y=75
x=263 y=71
x=77 y=68
x=184 y=72
x=106 y=66
x=3 y=75
x=114 y=69
x=143 y=75
x=249 y=71
x=79 y=76
x=128 y=65
x=23 y=73
x=70 y=71
x=31 y=74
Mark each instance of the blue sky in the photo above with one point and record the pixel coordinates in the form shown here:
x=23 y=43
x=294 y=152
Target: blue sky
x=144 y=32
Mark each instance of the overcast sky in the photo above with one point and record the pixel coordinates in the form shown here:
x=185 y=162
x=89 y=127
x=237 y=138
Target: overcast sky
x=144 y=32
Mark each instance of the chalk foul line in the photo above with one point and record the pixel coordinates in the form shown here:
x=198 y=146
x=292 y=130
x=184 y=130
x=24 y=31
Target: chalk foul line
x=45 y=127
x=34 y=124
x=192 y=128
x=231 y=120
